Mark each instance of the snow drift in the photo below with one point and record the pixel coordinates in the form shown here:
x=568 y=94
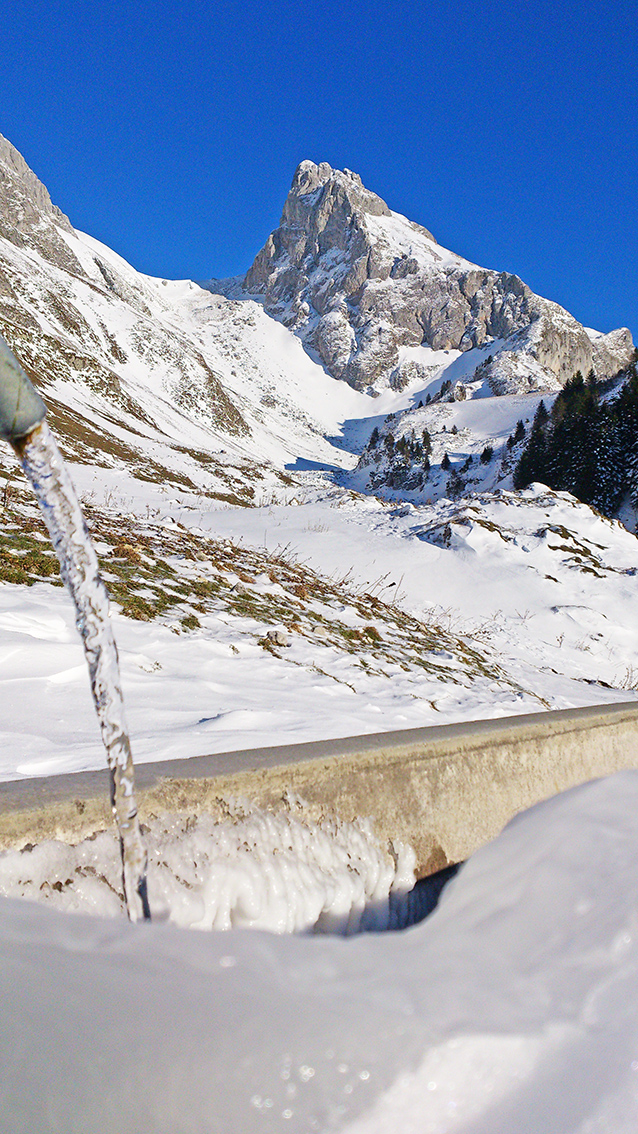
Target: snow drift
x=511 y=1008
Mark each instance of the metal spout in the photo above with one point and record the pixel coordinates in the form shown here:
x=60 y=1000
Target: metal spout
x=21 y=407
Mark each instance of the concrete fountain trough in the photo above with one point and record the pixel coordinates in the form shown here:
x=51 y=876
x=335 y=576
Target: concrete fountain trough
x=446 y=790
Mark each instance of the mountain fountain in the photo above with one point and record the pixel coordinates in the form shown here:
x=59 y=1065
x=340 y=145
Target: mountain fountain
x=23 y=424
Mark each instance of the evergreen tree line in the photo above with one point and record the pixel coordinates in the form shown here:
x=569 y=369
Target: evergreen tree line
x=408 y=447
x=585 y=445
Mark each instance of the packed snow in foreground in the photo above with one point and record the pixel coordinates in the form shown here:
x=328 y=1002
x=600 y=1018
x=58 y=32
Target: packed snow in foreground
x=512 y=1008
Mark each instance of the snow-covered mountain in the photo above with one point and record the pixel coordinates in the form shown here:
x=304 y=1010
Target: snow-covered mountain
x=219 y=389
x=163 y=380
x=291 y=557
x=375 y=527
x=375 y=297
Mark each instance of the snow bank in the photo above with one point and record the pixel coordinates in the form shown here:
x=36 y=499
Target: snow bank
x=512 y=1008
x=275 y=871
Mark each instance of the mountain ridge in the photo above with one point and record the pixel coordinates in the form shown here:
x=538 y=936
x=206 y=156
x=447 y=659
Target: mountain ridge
x=226 y=389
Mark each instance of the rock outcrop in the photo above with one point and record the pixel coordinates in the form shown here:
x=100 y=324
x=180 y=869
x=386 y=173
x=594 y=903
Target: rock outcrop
x=357 y=282
x=28 y=218
x=613 y=352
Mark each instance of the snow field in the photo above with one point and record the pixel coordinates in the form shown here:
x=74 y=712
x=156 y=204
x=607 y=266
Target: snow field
x=540 y=582
x=496 y=605
x=199 y=671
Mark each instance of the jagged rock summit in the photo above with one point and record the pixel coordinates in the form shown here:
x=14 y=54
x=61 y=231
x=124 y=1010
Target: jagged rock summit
x=363 y=287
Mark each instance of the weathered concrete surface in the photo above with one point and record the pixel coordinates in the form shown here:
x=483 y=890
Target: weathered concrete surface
x=447 y=790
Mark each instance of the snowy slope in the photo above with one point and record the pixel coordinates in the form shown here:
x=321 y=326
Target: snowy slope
x=540 y=579
x=499 y=604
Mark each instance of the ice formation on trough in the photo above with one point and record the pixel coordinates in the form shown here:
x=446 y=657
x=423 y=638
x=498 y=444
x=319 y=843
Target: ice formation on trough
x=276 y=871
x=49 y=477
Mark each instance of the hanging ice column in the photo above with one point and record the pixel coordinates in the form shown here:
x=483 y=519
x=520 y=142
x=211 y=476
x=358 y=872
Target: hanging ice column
x=22 y=423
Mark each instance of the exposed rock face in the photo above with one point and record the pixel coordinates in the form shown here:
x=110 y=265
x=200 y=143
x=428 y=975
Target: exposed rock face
x=613 y=352
x=357 y=282
x=322 y=217
x=28 y=218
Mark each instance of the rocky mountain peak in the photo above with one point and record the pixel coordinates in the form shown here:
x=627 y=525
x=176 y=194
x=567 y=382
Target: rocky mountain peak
x=323 y=219
x=359 y=283
x=335 y=187
x=19 y=181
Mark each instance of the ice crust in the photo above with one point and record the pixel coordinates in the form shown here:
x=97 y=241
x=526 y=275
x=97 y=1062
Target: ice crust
x=277 y=871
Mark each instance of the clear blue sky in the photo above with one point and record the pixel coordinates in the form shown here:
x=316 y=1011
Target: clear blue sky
x=171 y=131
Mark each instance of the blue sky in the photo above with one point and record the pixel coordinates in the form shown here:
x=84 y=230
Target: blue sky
x=171 y=132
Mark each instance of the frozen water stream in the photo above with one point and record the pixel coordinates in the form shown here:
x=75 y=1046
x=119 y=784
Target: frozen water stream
x=45 y=469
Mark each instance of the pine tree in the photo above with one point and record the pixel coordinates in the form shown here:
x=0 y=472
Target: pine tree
x=455 y=486
x=586 y=446
x=532 y=462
